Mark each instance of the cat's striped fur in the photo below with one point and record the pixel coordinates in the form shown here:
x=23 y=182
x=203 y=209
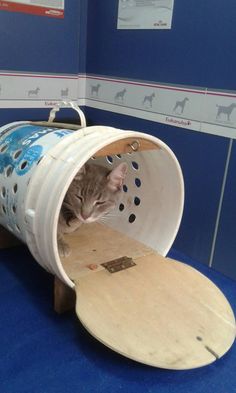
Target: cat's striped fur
x=94 y=192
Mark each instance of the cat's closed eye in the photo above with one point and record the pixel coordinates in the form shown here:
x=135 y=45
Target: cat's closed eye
x=80 y=198
x=99 y=203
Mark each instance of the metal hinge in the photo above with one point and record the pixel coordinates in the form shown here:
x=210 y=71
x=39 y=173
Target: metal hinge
x=118 y=264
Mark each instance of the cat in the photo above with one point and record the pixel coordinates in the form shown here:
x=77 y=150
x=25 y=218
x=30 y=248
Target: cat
x=93 y=193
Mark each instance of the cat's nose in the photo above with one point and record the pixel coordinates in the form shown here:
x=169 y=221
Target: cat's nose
x=84 y=216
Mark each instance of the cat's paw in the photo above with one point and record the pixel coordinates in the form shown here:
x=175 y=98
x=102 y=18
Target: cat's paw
x=74 y=224
x=64 y=249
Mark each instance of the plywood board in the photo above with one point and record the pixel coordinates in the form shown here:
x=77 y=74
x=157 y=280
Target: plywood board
x=159 y=312
x=93 y=244
x=126 y=145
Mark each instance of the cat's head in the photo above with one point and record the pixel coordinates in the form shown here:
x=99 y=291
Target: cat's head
x=95 y=191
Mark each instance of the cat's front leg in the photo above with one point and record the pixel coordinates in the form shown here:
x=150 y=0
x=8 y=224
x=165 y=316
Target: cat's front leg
x=63 y=247
x=72 y=225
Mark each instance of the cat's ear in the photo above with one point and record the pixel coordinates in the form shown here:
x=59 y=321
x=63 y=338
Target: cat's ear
x=79 y=175
x=116 y=177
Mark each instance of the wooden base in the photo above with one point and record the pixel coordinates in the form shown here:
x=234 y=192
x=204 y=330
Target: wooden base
x=7 y=240
x=94 y=244
x=126 y=145
x=144 y=306
x=64 y=297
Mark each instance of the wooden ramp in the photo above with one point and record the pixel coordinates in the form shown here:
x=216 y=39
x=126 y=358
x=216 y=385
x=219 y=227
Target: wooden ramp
x=144 y=306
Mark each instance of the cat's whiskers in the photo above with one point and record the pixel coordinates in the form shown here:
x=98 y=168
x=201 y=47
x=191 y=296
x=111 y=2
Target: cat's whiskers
x=109 y=216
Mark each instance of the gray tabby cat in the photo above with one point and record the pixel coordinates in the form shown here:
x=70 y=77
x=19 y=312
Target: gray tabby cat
x=94 y=192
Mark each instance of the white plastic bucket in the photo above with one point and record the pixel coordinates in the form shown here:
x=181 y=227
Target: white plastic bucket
x=38 y=163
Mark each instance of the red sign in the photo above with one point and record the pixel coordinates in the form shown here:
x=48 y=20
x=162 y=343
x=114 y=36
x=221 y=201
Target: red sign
x=32 y=9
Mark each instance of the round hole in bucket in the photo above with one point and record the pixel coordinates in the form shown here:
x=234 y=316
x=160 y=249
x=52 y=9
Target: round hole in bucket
x=3 y=192
x=8 y=171
x=3 y=148
x=132 y=218
x=137 y=201
x=121 y=207
x=15 y=188
x=17 y=154
x=4 y=209
x=14 y=209
x=23 y=165
x=138 y=182
x=110 y=159
x=125 y=188
x=135 y=165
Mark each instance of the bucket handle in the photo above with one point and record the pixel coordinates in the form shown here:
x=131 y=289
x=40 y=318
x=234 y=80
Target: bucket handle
x=67 y=104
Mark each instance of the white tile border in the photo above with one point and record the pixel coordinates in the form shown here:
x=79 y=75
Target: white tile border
x=31 y=90
x=180 y=106
x=192 y=108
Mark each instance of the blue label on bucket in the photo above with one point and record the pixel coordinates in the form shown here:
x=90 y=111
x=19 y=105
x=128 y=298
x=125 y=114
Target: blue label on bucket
x=31 y=156
x=18 y=151
x=62 y=133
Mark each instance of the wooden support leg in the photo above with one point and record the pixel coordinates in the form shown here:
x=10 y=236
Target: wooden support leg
x=64 y=297
x=7 y=239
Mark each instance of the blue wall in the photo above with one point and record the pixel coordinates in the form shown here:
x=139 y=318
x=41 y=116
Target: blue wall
x=225 y=252
x=199 y=50
x=40 y=44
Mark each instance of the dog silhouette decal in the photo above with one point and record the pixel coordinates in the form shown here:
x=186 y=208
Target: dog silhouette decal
x=180 y=105
x=95 y=90
x=226 y=110
x=147 y=101
x=119 y=97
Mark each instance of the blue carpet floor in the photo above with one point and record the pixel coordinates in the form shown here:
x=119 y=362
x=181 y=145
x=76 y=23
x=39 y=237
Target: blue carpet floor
x=41 y=352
